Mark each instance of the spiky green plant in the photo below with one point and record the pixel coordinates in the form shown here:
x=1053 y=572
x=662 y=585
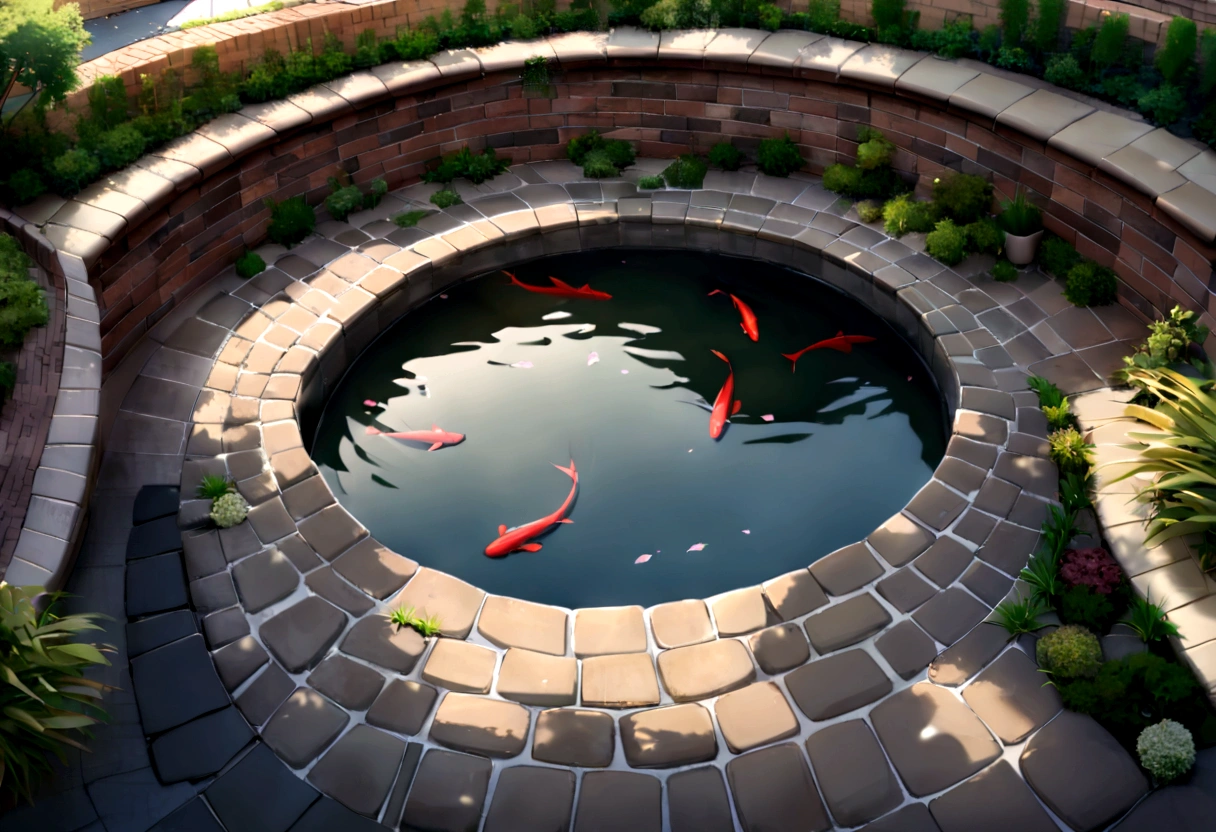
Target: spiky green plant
x=1058 y=529
x=1022 y=615
x=406 y=617
x=1069 y=451
x=214 y=486
x=1148 y=620
x=1049 y=395
x=1059 y=417
x=45 y=702
x=409 y=219
x=1075 y=491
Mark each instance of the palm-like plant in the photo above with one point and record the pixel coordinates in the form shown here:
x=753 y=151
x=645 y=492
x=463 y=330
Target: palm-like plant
x=1149 y=622
x=42 y=692
x=1182 y=456
x=1021 y=616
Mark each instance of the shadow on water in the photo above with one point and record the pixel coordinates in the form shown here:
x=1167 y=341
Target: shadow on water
x=815 y=459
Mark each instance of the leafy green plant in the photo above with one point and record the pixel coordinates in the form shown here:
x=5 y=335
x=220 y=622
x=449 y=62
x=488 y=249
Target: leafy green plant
x=985 y=236
x=445 y=198
x=1014 y=58
x=778 y=157
x=214 y=486
x=1015 y=17
x=1167 y=749
x=47 y=702
x=1069 y=451
x=1019 y=216
x=8 y=379
x=651 y=183
x=962 y=197
x=1207 y=61
x=868 y=210
x=475 y=167
x=888 y=13
x=1057 y=256
x=22 y=302
x=904 y=215
x=1109 y=44
x=1070 y=652
x=1075 y=492
x=1004 y=272
x=1065 y=71
x=989 y=42
x=1089 y=284
x=1165 y=104
x=24 y=186
x=598 y=165
x=376 y=191
x=73 y=170
x=686 y=172
x=947 y=242
x=406 y=617
x=1049 y=395
x=409 y=219
x=1041 y=574
x=342 y=201
x=290 y=221
x=616 y=152
x=1058 y=530
x=1047 y=23
x=1059 y=417
x=1177 y=55
x=874 y=150
x=1081 y=605
x=120 y=146
x=1021 y=616
x=1149 y=622
x=726 y=156
x=1169 y=342
x=249 y=264
x=535 y=75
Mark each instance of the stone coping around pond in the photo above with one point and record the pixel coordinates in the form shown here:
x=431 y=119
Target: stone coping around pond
x=874 y=647
x=1168 y=574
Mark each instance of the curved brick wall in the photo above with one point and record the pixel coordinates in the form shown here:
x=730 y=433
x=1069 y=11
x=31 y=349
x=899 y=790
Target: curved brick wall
x=154 y=233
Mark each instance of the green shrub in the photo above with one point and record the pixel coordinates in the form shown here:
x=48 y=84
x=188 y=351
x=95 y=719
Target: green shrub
x=778 y=157
x=367 y=49
x=1059 y=417
x=597 y=165
x=475 y=167
x=869 y=210
x=1174 y=59
x=726 y=156
x=1168 y=342
x=120 y=146
x=650 y=183
x=1014 y=58
x=1082 y=606
x=1071 y=652
x=903 y=215
x=962 y=197
x=1057 y=256
x=1019 y=216
x=1015 y=17
x=947 y=242
x=989 y=42
x=662 y=15
x=1167 y=749
x=1207 y=56
x=410 y=218
x=375 y=192
x=249 y=264
x=25 y=186
x=1046 y=26
x=48 y=702
x=887 y=13
x=1089 y=284
x=1149 y=621
x=8 y=379
x=22 y=302
x=1049 y=395
x=1111 y=40
x=445 y=198
x=1165 y=105
x=342 y=201
x=578 y=147
x=770 y=17
x=1004 y=272
x=874 y=150
x=290 y=221
x=985 y=236
x=1064 y=71
x=1132 y=693
x=685 y=172
x=843 y=179
x=1069 y=451
x=620 y=152
x=73 y=170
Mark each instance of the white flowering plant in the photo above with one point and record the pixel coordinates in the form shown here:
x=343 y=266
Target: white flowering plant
x=1166 y=750
x=229 y=509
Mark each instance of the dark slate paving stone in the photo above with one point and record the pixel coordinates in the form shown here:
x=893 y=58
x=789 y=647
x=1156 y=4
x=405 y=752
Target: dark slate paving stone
x=403 y=706
x=203 y=554
x=214 y=592
x=236 y=662
x=994 y=799
x=531 y=798
x=264 y=578
x=69 y=809
x=837 y=684
x=200 y=748
x=969 y=655
x=194 y=816
x=328 y=815
x=350 y=684
x=610 y=800
x=1174 y=808
x=326 y=583
x=155 y=584
x=158 y=630
x=950 y=615
x=225 y=627
x=854 y=776
x=303 y=726
x=154 y=538
x=448 y=793
x=906 y=649
x=359 y=769
x=773 y=789
x=155 y=501
x=176 y=683
x=265 y=694
x=259 y=794
x=301 y=634
x=377 y=640
x=697 y=801
x=405 y=778
x=914 y=817
x=135 y=799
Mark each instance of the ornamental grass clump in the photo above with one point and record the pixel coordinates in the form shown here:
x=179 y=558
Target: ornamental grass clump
x=426 y=626
x=1149 y=621
x=1166 y=750
x=1019 y=216
x=1021 y=616
x=779 y=157
x=726 y=156
x=290 y=221
x=1071 y=652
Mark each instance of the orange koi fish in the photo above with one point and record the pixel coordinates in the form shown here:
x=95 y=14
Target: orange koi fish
x=749 y=324
x=519 y=539
x=718 y=416
x=560 y=289
x=840 y=343
x=436 y=437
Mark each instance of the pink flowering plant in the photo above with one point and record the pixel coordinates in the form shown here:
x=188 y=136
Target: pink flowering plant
x=1092 y=567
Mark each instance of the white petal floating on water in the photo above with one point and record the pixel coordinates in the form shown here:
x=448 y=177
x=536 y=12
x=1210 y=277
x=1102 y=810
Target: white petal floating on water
x=523 y=365
x=747 y=531
x=641 y=329
x=555 y=316
x=624 y=372
x=593 y=358
x=768 y=417
x=657 y=355
x=696 y=547
x=642 y=559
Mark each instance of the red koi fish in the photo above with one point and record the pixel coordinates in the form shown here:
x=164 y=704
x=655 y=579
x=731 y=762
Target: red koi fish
x=749 y=324
x=560 y=289
x=519 y=539
x=840 y=343
x=436 y=437
x=718 y=416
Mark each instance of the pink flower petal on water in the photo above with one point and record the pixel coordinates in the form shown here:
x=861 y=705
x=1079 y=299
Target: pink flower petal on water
x=624 y=372
x=747 y=531
x=369 y=402
x=523 y=365
x=593 y=358
x=696 y=547
x=642 y=559
x=445 y=297
x=768 y=417
x=909 y=378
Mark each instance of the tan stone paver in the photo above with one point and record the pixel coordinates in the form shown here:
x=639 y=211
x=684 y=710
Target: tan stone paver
x=704 y=670
x=508 y=622
x=457 y=665
x=740 y=612
x=453 y=601
x=665 y=737
x=538 y=678
x=624 y=680
x=574 y=737
x=779 y=648
x=480 y=726
x=753 y=716
x=681 y=623
x=605 y=630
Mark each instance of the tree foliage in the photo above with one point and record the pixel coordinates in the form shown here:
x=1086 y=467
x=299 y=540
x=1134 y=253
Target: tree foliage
x=39 y=49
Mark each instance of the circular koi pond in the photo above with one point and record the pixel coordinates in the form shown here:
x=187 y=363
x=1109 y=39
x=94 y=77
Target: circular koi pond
x=556 y=445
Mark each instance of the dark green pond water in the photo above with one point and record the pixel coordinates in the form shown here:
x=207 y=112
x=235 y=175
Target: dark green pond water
x=815 y=459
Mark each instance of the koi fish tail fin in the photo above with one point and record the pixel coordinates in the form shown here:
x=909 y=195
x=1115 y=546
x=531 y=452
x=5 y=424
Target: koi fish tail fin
x=735 y=409
x=571 y=472
x=720 y=355
x=371 y=431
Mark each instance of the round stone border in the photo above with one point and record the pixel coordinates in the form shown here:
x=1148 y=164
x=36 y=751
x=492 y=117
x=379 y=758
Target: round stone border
x=874 y=622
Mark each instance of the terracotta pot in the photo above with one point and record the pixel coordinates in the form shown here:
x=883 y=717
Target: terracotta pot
x=1021 y=250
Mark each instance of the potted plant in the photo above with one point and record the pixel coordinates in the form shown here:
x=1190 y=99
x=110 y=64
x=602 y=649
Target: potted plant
x=1022 y=223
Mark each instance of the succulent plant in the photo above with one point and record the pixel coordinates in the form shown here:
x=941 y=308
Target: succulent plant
x=229 y=510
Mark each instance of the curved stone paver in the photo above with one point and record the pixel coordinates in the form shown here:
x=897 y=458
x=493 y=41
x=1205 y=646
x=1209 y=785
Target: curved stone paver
x=865 y=647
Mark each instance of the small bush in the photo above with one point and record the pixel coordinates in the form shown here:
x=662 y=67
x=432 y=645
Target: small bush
x=578 y=147
x=1109 y=44
x=1092 y=567
x=842 y=179
x=1165 y=105
x=985 y=236
x=120 y=147
x=1015 y=17
x=249 y=264
x=1059 y=417
x=1064 y=71
x=726 y=156
x=1071 y=652
x=73 y=170
x=947 y=242
x=1004 y=272
x=1069 y=451
x=770 y=17
x=686 y=172
x=1174 y=59
x=1207 y=55
x=25 y=186
x=22 y=303
x=1167 y=749
x=874 y=151
x=620 y=152
x=887 y=13
x=1089 y=284
x=8 y=379
x=410 y=218
x=229 y=510
x=1046 y=26
x=1014 y=58
x=445 y=198
x=650 y=183
x=342 y=201
x=1049 y=395
x=662 y=15
x=962 y=197
x=1057 y=257
x=375 y=192
x=869 y=210
x=1132 y=693
x=1082 y=606
x=778 y=157
x=903 y=215
x=475 y=167
x=597 y=165
x=290 y=221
